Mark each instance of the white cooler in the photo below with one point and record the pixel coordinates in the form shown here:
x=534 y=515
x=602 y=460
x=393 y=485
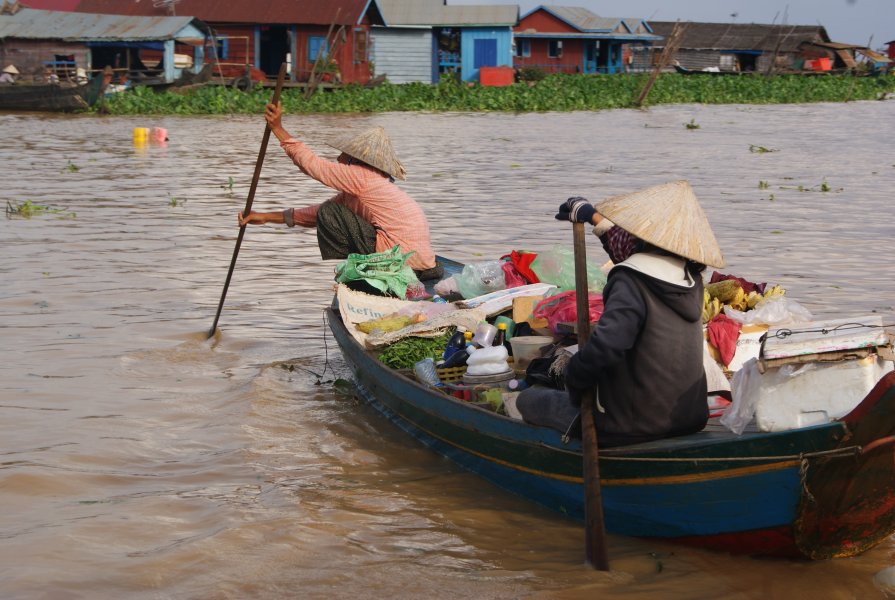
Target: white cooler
x=816 y=372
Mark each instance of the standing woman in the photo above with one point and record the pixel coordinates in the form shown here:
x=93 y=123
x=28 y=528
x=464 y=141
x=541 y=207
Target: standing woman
x=369 y=213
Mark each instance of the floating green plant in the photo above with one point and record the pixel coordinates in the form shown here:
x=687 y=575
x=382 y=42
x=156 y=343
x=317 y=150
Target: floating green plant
x=692 y=124
x=763 y=185
x=28 y=209
x=759 y=149
x=71 y=168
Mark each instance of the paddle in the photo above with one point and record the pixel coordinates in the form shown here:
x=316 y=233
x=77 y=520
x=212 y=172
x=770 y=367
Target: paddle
x=595 y=532
x=252 y=188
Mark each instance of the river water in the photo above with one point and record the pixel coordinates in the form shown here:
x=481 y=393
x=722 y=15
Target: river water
x=141 y=460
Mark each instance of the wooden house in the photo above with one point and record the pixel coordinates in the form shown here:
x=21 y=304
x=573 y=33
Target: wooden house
x=560 y=39
x=68 y=43
x=741 y=47
x=420 y=40
x=254 y=38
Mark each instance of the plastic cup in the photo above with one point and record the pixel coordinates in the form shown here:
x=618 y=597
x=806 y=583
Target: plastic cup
x=484 y=335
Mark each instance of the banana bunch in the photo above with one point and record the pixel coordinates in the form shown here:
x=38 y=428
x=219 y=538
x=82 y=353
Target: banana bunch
x=711 y=307
x=730 y=293
x=774 y=291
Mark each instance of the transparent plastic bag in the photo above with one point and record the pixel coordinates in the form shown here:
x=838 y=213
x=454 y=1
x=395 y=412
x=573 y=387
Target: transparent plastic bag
x=776 y=310
x=480 y=278
x=557 y=266
x=745 y=390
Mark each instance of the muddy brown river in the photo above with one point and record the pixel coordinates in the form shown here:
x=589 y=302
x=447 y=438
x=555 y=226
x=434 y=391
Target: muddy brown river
x=140 y=460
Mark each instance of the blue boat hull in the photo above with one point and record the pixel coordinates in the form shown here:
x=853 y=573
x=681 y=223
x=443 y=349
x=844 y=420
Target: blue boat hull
x=713 y=489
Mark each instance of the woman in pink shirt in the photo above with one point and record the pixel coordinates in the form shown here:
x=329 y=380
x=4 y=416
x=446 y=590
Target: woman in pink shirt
x=370 y=213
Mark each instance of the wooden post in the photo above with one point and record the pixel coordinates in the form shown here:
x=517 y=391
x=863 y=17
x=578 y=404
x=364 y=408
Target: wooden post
x=671 y=45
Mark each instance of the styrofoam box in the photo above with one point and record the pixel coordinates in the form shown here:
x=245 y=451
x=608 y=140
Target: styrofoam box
x=794 y=396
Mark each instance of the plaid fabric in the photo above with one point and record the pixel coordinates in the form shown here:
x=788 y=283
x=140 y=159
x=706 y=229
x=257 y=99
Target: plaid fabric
x=398 y=220
x=341 y=232
x=618 y=243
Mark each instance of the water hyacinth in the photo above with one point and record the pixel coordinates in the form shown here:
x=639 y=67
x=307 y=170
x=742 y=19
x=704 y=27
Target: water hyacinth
x=553 y=93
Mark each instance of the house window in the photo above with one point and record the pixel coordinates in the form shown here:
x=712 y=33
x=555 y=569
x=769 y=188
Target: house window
x=222 y=47
x=523 y=48
x=316 y=47
x=360 y=46
x=554 y=50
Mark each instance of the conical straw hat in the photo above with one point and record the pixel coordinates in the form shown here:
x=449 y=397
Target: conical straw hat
x=667 y=216
x=11 y=69
x=374 y=148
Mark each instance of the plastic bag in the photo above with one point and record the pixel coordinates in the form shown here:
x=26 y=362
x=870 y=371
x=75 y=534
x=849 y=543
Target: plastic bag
x=512 y=276
x=447 y=287
x=776 y=310
x=745 y=390
x=480 y=278
x=386 y=271
x=561 y=308
x=557 y=266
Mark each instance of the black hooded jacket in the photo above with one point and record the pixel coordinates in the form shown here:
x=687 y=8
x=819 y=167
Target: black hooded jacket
x=645 y=354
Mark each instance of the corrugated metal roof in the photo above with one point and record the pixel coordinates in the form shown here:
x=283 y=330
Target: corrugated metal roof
x=306 y=12
x=742 y=36
x=396 y=13
x=48 y=24
x=582 y=19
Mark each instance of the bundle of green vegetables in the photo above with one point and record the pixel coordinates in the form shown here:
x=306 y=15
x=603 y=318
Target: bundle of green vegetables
x=406 y=352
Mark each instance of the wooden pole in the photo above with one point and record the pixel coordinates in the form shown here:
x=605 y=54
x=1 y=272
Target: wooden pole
x=595 y=547
x=251 y=197
x=668 y=52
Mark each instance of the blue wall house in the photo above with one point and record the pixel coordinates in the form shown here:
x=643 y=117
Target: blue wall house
x=423 y=39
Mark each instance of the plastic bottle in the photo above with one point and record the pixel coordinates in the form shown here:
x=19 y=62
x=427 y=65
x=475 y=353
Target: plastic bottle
x=458 y=358
x=457 y=342
x=501 y=336
x=425 y=372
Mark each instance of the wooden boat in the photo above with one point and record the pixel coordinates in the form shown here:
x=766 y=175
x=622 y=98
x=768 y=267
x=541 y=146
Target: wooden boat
x=817 y=492
x=50 y=97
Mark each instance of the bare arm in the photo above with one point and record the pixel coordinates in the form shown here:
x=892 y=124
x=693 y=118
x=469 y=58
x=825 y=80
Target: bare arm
x=273 y=114
x=260 y=218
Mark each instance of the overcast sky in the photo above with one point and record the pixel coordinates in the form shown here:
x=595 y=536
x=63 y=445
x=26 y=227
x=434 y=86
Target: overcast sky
x=849 y=21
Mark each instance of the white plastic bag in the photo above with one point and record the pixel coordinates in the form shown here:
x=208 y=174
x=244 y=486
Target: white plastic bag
x=745 y=390
x=776 y=310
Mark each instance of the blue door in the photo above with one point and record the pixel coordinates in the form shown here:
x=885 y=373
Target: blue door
x=590 y=56
x=484 y=53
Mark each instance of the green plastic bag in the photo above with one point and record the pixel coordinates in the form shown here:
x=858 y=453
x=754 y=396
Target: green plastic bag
x=386 y=271
x=557 y=266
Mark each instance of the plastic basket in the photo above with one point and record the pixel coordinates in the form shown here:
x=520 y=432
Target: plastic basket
x=451 y=374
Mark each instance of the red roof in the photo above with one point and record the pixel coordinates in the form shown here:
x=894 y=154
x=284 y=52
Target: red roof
x=303 y=12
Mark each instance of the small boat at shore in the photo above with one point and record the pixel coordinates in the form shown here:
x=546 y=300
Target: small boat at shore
x=50 y=97
x=818 y=492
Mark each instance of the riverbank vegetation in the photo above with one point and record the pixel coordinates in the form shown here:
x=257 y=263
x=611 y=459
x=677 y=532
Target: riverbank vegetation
x=553 y=93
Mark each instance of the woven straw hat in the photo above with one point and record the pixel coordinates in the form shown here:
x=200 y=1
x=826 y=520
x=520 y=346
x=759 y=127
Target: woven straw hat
x=374 y=148
x=667 y=216
x=11 y=69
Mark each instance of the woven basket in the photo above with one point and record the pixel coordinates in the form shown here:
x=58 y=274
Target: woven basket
x=451 y=374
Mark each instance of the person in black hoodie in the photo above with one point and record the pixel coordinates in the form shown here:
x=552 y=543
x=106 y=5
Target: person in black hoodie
x=645 y=354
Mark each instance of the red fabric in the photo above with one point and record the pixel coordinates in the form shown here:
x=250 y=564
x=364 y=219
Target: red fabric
x=747 y=286
x=723 y=335
x=522 y=261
